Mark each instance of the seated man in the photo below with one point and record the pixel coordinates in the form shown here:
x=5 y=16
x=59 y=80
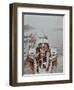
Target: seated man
x=44 y=52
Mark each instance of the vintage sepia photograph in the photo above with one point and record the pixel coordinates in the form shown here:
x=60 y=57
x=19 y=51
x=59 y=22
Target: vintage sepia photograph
x=42 y=43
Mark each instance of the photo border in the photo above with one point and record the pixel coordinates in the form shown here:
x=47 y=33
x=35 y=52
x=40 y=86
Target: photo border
x=13 y=43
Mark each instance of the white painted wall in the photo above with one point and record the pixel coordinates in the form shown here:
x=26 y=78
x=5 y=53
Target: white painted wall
x=4 y=46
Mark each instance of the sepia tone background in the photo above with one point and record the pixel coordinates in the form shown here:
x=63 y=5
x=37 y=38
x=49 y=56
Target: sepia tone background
x=47 y=25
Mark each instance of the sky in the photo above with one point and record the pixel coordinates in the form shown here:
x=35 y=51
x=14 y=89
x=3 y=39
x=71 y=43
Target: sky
x=49 y=25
